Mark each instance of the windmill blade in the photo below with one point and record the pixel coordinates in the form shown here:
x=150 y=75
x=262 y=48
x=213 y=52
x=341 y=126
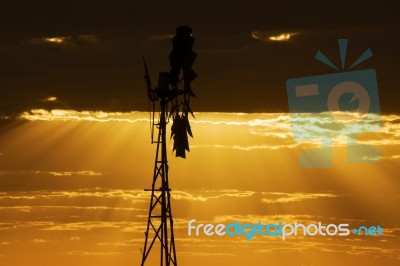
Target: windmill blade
x=181 y=142
x=188 y=90
x=188 y=128
x=174 y=110
x=188 y=109
x=147 y=75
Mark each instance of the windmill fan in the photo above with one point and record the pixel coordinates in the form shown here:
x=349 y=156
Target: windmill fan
x=182 y=58
x=175 y=90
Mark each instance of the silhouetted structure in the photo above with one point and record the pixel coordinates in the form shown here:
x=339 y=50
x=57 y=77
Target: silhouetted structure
x=175 y=92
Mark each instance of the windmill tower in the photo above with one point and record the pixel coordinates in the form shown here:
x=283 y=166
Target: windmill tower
x=171 y=100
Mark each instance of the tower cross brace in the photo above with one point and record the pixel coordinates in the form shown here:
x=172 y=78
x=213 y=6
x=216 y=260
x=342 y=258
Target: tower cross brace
x=160 y=224
x=174 y=90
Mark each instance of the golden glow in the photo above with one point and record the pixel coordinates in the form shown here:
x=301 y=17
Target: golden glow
x=279 y=197
x=51 y=99
x=277 y=128
x=72 y=190
x=72 y=115
x=70 y=173
x=56 y=40
x=66 y=41
x=281 y=37
x=285 y=36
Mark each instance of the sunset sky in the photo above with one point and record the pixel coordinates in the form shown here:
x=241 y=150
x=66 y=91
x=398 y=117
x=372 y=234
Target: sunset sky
x=75 y=149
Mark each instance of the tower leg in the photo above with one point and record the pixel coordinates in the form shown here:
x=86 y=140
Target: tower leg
x=160 y=225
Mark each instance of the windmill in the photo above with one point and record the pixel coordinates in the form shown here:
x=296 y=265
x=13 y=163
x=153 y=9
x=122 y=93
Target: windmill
x=171 y=100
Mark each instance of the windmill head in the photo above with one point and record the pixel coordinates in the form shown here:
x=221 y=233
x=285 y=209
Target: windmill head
x=174 y=89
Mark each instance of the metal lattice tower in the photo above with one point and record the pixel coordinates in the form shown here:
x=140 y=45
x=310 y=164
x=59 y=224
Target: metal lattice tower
x=173 y=92
x=161 y=223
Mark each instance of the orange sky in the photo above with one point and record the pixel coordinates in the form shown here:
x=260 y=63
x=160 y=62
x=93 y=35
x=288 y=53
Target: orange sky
x=72 y=191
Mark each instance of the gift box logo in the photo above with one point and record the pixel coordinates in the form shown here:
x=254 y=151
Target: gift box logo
x=340 y=104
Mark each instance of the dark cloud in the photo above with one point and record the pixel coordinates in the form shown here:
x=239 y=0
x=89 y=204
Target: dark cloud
x=97 y=64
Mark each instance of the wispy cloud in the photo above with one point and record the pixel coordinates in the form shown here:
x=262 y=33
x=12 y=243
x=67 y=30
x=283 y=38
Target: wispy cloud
x=89 y=253
x=280 y=37
x=253 y=219
x=39 y=240
x=50 y=99
x=213 y=194
x=312 y=123
x=202 y=254
x=391 y=157
x=55 y=40
x=125 y=243
x=65 y=41
x=160 y=37
x=73 y=115
x=86 y=226
x=278 y=130
x=69 y=173
x=25 y=209
x=132 y=195
x=25 y=225
x=331 y=248
x=280 y=197
x=249 y=147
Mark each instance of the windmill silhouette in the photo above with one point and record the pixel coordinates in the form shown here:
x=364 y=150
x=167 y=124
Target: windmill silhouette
x=171 y=100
